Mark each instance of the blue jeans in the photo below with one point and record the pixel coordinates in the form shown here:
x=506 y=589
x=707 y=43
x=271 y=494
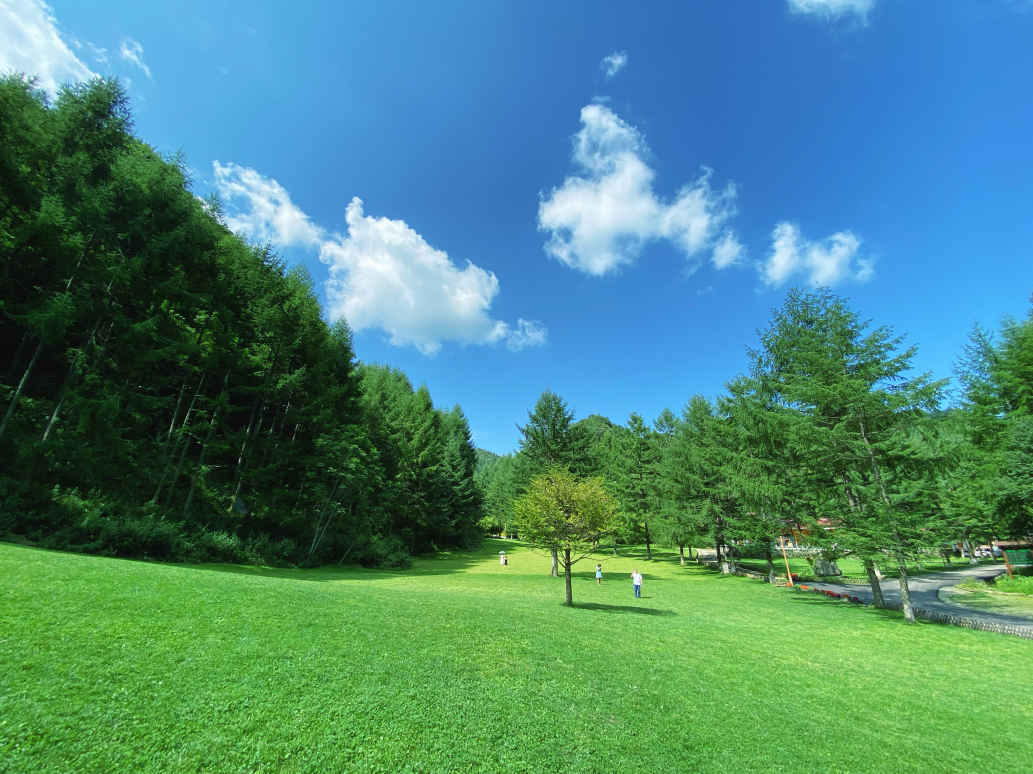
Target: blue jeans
x=638 y=591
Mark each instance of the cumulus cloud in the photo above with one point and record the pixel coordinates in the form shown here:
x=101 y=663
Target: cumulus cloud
x=269 y=215
x=382 y=273
x=132 y=52
x=825 y=262
x=832 y=9
x=613 y=64
x=601 y=217
x=32 y=44
x=385 y=275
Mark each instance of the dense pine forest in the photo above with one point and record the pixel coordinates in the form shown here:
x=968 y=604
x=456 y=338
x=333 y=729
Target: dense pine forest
x=172 y=391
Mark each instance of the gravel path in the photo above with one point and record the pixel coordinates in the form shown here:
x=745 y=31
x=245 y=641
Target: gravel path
x=925 y=593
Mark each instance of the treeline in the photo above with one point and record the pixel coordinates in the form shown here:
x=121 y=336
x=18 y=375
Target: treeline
x=829 y=435
x=170 y=390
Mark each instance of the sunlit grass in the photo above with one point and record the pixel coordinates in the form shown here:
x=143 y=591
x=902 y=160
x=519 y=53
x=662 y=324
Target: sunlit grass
x=990 y=602
x=463 y=665
x=855 y=568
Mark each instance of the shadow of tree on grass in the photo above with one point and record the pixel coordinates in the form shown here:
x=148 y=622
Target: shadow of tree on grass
x=621 y=609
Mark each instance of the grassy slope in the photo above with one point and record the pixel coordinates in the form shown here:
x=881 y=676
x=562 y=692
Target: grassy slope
x=461 y=665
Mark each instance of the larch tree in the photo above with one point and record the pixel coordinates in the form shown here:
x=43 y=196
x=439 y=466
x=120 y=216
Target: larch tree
x=856 y=416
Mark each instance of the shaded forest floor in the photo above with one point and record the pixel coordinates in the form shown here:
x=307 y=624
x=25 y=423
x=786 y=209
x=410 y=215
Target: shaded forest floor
x=462 y=665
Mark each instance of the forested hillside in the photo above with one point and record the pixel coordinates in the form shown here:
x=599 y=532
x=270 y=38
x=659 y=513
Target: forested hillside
x=170 y=390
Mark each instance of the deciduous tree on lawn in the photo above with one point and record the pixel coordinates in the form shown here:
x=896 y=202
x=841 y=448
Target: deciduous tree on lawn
x=565 y=516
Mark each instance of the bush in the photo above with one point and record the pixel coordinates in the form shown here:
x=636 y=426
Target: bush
x=385 y=552
x=1020 y=584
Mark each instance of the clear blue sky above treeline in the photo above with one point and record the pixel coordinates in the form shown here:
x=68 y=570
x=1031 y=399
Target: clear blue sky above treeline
x=605 y=198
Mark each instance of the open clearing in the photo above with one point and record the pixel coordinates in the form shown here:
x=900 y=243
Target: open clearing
x=462 y=665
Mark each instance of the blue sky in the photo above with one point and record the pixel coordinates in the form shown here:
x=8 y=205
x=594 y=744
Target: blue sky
x=604 y=198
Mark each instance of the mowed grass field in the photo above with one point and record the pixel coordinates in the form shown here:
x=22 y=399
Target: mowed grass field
x=460 y=665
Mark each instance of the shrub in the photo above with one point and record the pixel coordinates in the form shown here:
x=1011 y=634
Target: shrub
x=385 y=552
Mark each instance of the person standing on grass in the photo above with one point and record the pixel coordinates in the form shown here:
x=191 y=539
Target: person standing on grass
x=598 y=575
x=636 y=581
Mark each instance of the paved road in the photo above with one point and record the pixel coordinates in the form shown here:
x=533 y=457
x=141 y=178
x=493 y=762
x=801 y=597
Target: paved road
x=925 y=593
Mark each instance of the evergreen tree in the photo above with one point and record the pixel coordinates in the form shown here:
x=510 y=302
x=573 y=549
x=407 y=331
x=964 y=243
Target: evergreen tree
x=857 y=420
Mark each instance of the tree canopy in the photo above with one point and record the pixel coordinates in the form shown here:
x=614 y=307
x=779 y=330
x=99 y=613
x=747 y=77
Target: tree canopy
x=171 y=390
x=565 y=516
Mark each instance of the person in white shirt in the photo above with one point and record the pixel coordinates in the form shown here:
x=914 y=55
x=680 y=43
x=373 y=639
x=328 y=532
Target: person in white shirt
x=636 y=581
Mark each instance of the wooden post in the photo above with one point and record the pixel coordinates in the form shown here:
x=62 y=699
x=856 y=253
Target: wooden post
x=782 y=545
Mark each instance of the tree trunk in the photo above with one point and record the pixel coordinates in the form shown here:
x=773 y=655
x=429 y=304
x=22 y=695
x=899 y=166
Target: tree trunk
x=690 y=552
x=204 y=450
x=615 y=546
x=649 y=553
x=905 y=595
x=17 y=357
x=555 y=565
x=53 y=417
x=63 y=392
x=771 y=565
x=966 y=544
x=179 y=439
x=873 y=579
x=175 y=476
x=175 y=414
x=566 y=570
x=239 y=475
x=717 y=545
x=18 y=390
x=681 y=552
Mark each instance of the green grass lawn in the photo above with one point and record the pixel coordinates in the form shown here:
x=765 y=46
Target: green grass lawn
x=460 y=665
x=854 y=567
x=989 y=603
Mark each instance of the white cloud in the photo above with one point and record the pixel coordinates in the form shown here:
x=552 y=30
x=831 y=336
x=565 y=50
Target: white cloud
x=825 y=262
x=832 y=9
x=270 y=215
x=385 y=275
x=132 y=52
x=613 y=64
x=382 y=273
x=30 y=43
x=601 y=218
x=728 y=252
x=529 y=333
x=100 y=55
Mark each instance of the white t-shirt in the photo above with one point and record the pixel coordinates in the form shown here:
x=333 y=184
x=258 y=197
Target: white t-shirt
x=636 y=578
